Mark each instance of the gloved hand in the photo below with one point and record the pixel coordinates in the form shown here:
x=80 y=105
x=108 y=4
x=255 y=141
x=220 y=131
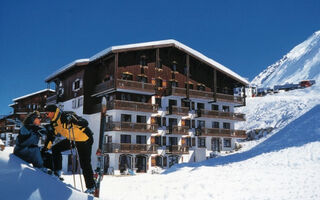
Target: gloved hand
x=68 y=120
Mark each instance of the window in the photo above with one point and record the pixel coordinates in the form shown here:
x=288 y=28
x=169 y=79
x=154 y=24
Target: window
x=77 y=85
x=201 y=142
x=172 y=102
x=215 y=125
x=158 y=121
x=141 y=119
x=188 y=142
x=227 y=142
x=158 y=102
x=125 y=118
x=190 y=86
x=125 y=138
x=200 y=106
x=158 y=82
x=226 y=125
x=173 y=141
x=225 y=108
x=76 y=103
x=109 y=139
x=174 y=66
x=141 y=139
x=173 y=122
x=173 y=160
x=214 y=107
x=201 y=87
x=143 y=59
x=142 y=79
x=127 y=76
x=201 y=123
x=174 y=83
x=158 y=140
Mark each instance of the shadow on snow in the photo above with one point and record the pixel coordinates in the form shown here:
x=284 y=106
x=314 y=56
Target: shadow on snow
x=304 y=130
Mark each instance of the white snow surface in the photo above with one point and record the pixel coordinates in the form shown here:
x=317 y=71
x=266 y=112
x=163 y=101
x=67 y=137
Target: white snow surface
x=301 y=63
x=283 y=165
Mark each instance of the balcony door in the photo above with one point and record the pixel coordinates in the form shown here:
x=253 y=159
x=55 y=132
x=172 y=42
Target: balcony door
x=141 y=163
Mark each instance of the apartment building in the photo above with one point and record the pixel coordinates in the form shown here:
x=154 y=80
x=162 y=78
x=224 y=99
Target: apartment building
x=166 y=104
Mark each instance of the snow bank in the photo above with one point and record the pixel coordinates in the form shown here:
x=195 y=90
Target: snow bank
x=20 y=181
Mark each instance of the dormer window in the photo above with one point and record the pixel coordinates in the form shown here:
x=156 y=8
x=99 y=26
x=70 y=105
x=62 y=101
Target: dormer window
x=127 y=76
x=142 y=78
x=77 y=85
x=173 y=83
x=201 y=87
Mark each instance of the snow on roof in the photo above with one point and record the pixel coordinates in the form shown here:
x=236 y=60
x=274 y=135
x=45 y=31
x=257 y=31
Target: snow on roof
x=152 y=44
x=28 y=95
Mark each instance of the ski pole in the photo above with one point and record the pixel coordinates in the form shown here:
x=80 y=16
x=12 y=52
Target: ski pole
x=77 y=157
x=74 y=179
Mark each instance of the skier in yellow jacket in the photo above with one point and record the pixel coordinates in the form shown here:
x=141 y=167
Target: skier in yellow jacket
x=63 y=123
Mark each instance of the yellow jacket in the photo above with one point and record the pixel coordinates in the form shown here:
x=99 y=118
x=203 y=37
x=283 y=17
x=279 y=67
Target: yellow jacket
x=62 y=129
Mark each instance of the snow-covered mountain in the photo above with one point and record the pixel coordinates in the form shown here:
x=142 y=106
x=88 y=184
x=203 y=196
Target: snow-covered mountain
x=301 y=63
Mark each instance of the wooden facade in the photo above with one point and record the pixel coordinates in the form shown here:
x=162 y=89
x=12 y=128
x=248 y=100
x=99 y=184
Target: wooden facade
x=166 y=83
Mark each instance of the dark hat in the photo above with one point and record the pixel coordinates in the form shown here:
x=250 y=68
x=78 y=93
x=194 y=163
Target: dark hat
x=50 y=108
x=31 y=117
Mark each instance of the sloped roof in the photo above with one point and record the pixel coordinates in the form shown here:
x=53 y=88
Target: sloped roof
x=31 y=94
x=154 y=44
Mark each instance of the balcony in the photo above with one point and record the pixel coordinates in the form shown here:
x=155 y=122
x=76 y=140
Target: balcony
x=221 y=132
x=132 y=105
x=204 y=95
x=138 y=87
x=177 y=149
x=132 y=127
x=127 y=85
x=180 y=130
x=175 y=110
x=219 y=114
x=130 y=148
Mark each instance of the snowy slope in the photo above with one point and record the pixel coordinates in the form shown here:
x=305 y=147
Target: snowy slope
x=302 y=62
x=19 y=181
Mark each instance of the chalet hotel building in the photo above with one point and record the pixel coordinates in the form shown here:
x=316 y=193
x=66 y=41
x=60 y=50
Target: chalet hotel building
x=166 y=104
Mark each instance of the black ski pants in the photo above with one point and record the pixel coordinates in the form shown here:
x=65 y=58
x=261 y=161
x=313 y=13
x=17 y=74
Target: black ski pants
x=84 y=151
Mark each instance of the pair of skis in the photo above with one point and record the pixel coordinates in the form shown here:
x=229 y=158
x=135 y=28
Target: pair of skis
x=100 y=151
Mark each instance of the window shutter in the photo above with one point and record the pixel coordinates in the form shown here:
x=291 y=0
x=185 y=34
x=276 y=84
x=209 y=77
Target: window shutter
x=153 y=120
x=153 y=161
x=183 y=141
x=153 y=140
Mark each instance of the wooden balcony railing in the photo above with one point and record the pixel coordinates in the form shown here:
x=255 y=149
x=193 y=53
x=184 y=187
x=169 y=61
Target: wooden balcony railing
x=130 y=148
x=177 y=149
x=175 y=91
x=220 y=114
x=134 y=127
x=181 y=130
x=103 y=87
x=132 y=105
x=135 y=85
x=124 y=84
x=221 y=132
x=175 y=110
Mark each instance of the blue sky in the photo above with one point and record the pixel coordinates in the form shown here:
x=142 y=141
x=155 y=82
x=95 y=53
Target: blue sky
x=38 y=37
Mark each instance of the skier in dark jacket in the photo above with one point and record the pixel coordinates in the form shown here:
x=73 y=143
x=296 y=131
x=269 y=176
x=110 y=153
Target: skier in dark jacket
x=27 y=141
x=66 y=124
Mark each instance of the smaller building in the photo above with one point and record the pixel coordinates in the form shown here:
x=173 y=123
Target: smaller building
x=22 y=106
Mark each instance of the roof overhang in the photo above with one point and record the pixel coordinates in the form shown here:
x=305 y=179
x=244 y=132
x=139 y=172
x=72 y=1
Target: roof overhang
x=151 y=45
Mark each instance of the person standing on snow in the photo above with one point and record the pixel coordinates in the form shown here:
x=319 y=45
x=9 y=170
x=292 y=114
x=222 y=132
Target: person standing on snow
x=27 y=141
x=66 y=124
